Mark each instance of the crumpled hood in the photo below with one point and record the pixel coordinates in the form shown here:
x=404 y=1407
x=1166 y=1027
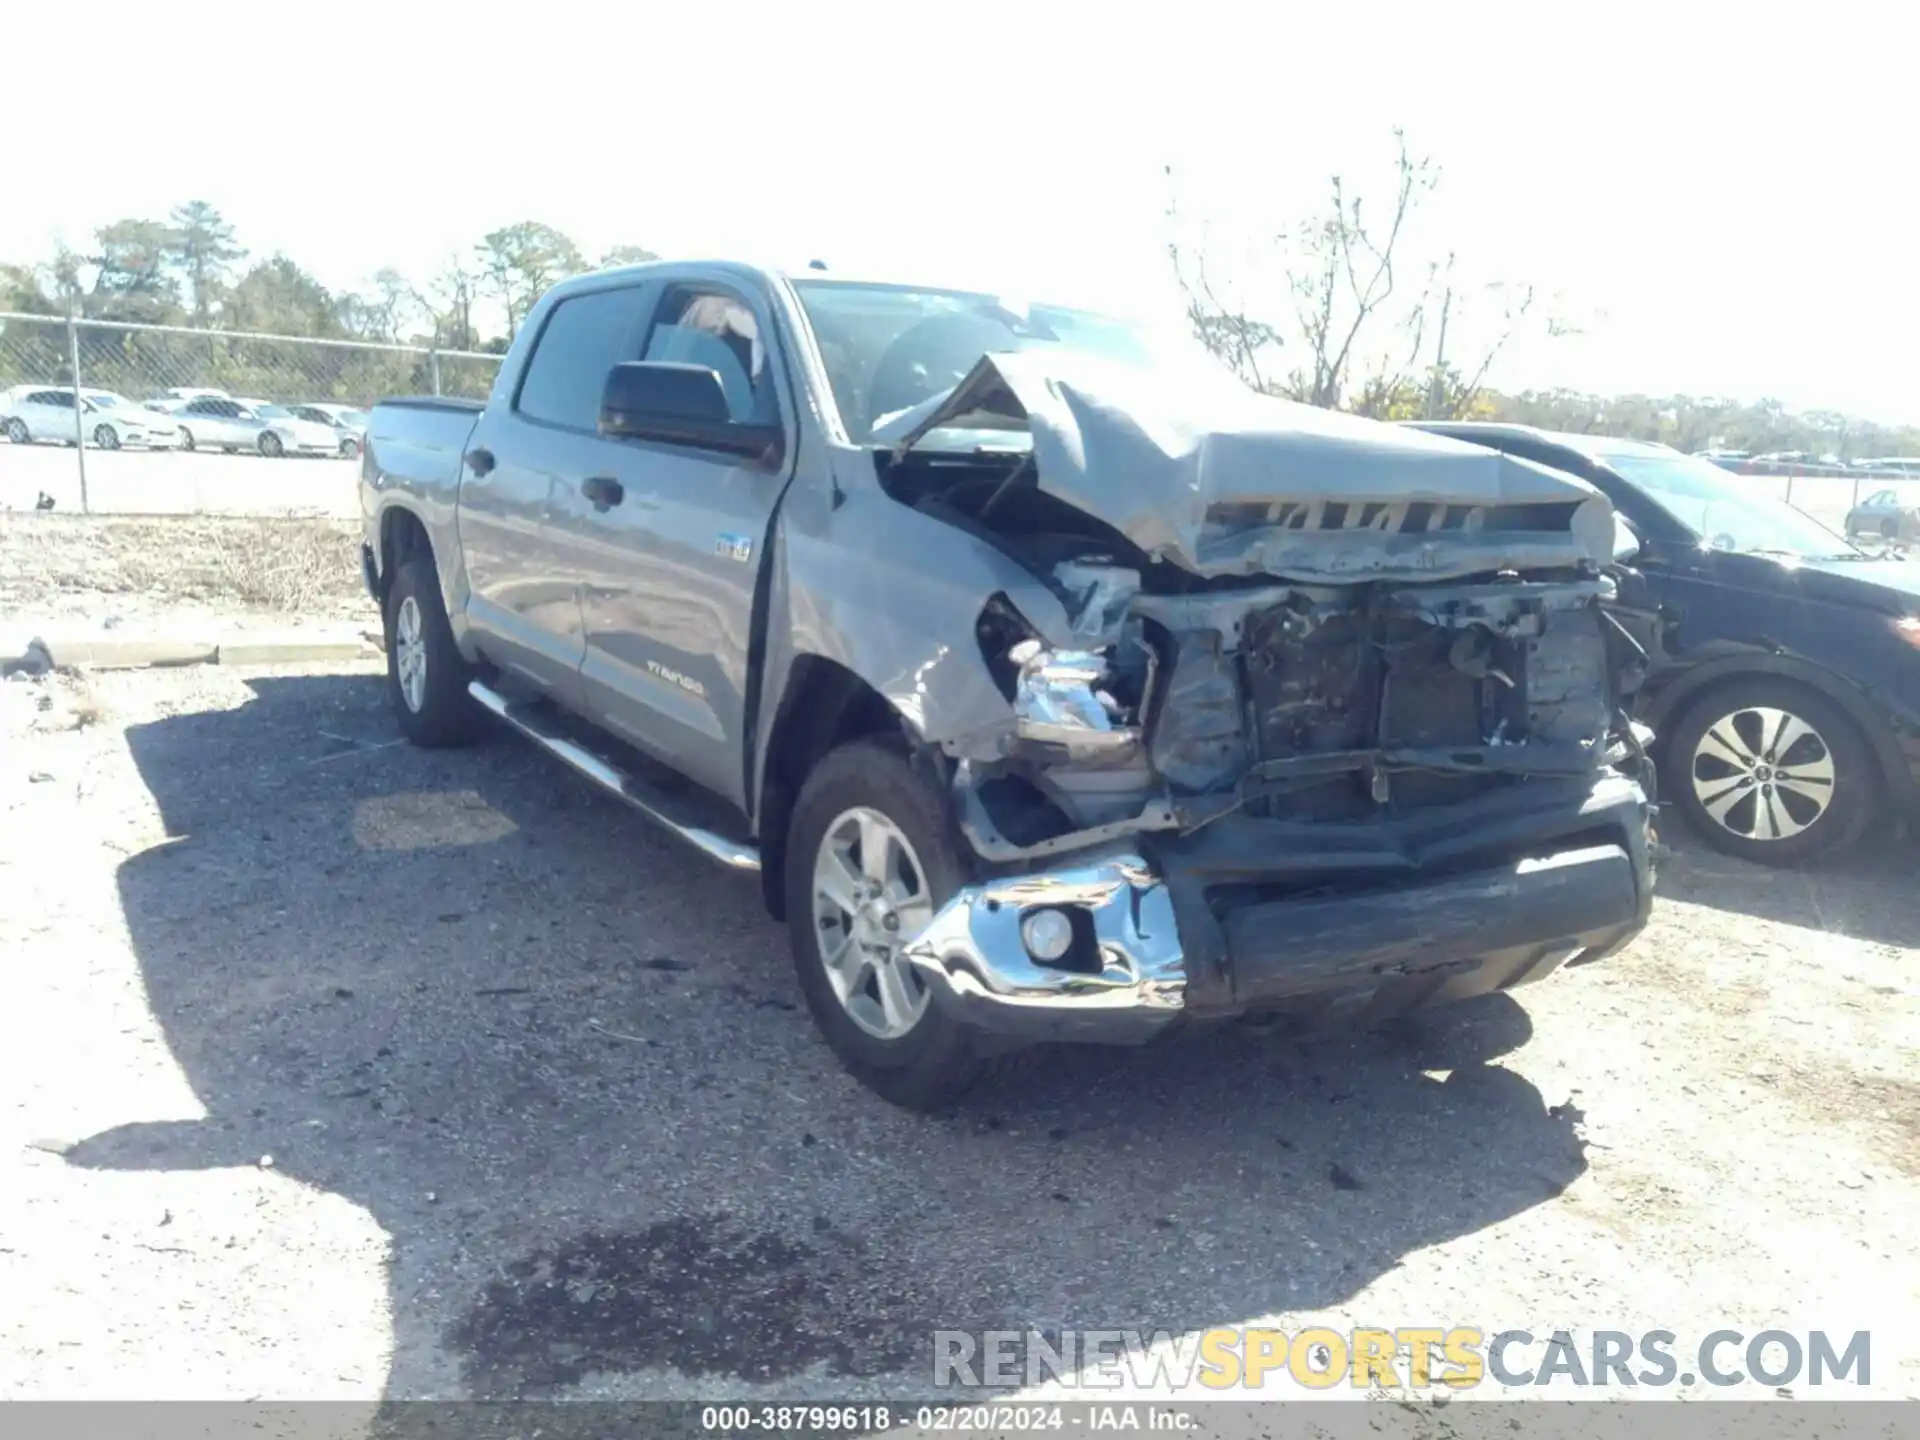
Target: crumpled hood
x=1208 y=475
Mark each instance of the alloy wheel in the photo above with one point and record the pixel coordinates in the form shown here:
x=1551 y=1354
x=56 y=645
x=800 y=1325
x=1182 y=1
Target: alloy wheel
x=870 y=899
x=1763 y=773
x=410 y=654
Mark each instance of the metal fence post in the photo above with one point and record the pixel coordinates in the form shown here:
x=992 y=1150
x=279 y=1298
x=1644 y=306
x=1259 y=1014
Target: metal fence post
x=433 y=364
x=79 y=420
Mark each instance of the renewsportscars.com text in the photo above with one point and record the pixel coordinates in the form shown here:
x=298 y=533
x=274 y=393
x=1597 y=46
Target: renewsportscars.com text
x=1409 y=1357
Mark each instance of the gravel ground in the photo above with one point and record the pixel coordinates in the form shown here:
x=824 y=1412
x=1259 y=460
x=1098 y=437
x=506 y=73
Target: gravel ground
x=337 y=1068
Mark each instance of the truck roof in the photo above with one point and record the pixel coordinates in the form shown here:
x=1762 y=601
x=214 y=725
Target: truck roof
x=805 y=274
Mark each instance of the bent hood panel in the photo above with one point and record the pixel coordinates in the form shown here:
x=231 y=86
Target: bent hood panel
x=1212 y=477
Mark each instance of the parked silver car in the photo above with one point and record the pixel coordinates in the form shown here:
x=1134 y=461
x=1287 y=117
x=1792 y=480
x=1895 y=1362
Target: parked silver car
x=214 y=422
x=109 y=420
x=346 y=421
x=1887 y=514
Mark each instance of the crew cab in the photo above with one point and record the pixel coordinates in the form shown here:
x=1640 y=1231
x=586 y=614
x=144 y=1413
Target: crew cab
x=1056 y=686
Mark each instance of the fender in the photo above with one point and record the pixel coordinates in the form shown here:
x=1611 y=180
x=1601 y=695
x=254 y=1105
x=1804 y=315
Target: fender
x=1664 y=699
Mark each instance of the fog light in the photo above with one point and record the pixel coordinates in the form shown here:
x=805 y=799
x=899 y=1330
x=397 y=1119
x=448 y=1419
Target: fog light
x=1048 y=935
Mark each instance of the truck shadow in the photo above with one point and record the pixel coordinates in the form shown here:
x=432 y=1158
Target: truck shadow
x=565 y=1066
x=1864 y=892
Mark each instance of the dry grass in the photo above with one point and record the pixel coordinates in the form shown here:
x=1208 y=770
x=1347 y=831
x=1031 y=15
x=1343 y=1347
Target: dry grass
x=291 y=566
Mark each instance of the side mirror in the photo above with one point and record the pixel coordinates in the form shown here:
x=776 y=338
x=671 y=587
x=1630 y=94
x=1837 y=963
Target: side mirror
x=1626 y=543
x=680 y=405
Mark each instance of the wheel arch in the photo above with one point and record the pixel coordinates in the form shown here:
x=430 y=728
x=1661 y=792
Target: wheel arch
x=403 y=535
x=1673 y=699
x=824 y=706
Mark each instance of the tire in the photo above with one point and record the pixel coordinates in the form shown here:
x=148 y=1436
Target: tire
x=1890 y=529
x=931 y=1063
x=434 y=709
x=106 y=437
x=1725 y=798
x=350 y=449
x=186 y=438
x=270 y=445
x=18 y=433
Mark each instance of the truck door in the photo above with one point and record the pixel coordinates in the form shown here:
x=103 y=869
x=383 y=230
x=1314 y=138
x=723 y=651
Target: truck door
x=669 y=541
x=523 y=466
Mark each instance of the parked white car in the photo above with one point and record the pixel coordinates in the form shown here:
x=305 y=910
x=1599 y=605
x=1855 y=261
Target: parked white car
x=346 y=421
x=225 y=423
x=109 y=421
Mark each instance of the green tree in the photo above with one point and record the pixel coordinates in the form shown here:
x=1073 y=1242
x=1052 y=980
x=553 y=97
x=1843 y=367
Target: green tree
x=131 y=281
x=277 y=297
x=23 y=291
x=204 y=253
x=520 y=262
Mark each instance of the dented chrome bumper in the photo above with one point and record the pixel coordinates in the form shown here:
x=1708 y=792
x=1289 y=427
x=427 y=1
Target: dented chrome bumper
x=1123 y=979
x=1418 y=914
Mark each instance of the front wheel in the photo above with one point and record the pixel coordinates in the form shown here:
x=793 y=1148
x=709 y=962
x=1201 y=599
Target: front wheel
x=17 y=431
x=350 y=448
x=869 y=861
x=1773 y=771
x=270 y=445
x=186 y=438
x=106 y=437
x=426 y=673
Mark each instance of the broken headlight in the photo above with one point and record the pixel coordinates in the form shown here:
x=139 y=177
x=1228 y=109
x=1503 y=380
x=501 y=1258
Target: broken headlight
x=1058 y=699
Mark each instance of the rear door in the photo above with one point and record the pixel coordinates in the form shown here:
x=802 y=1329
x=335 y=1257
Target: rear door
x=524 y=463
x=49 y=415
x=668 y=572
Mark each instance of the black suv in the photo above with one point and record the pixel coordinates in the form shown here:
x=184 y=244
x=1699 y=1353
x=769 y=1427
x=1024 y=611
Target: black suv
x=1785 y=664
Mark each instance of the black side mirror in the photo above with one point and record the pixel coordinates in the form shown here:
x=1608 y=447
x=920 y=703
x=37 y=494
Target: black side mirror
x=680 y=405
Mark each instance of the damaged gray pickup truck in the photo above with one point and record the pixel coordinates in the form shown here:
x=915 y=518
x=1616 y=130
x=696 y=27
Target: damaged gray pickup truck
x=1056 y=686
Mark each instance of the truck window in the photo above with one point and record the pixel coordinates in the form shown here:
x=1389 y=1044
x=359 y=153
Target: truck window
x=718 y=330
x=584 y=338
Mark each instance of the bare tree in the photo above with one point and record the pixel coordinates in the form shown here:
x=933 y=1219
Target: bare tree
x=1349 y=343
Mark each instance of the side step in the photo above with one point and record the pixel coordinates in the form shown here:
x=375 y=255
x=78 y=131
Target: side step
x=734 y=854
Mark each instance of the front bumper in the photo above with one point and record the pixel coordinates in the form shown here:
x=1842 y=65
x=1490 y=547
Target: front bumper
x=1369 y=920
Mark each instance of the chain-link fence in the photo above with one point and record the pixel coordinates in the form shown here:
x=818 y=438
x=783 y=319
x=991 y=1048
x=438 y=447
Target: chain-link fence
x=130 y=369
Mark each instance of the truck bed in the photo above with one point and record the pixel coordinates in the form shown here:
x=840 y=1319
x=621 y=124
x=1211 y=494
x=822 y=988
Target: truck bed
x=417 y=441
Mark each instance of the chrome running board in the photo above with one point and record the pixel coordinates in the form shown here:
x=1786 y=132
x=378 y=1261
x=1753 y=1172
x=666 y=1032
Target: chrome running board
x=734 y=854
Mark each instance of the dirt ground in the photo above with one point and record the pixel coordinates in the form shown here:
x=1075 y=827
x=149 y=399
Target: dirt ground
x=335 y=1068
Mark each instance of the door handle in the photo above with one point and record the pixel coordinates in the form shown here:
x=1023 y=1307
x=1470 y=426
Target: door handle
x=604 y=491
x=479 y=461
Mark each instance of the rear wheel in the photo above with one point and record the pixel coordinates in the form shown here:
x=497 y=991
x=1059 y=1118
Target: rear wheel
x=106 y=437
x=426 y=674
x=1772 y=770
x=17 y=431
x=869 y=861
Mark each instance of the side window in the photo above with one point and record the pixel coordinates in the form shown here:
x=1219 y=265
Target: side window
x=229 y=409
x=718 y=330
x=584 y=338
x=200 y=407
x=1884 y=500
x=49 y=397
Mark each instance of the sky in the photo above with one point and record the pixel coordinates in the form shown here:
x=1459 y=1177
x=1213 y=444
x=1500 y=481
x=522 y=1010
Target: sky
x=1720 y=198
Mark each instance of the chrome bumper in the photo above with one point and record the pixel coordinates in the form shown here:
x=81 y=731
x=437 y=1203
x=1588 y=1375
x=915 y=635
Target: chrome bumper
x=1457 y=926
x=1128 y=977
